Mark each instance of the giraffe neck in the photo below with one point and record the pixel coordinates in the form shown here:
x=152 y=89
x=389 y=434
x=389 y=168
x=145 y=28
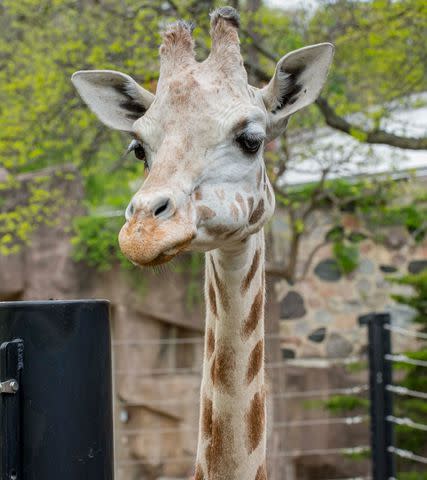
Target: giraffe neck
x=232 y=436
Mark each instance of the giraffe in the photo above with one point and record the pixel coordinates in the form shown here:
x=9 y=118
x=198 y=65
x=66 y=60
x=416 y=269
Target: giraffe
x=201 y=138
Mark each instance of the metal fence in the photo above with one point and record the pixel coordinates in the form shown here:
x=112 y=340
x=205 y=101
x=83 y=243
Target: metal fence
x=124 y=434
x=382 y=392
x=379 y=388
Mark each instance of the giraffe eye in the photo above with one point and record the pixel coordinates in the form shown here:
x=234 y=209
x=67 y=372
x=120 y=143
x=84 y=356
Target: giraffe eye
x=138 y=150
x=249 y=143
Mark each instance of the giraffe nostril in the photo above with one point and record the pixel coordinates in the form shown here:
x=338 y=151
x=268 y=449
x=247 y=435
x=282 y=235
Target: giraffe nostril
x=130 y=210
x=161 y=208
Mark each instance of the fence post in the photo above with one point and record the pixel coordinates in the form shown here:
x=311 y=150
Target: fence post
x=381 y=400
x=56 y=391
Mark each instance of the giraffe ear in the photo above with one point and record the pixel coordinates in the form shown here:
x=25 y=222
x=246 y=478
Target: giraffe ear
x=114 y=97
x=297 y=82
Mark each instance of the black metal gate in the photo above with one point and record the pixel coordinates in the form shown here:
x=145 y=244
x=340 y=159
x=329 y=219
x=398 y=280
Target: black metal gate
x=55 y=391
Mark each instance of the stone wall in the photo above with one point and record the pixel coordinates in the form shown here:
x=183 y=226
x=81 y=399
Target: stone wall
x=318 y=314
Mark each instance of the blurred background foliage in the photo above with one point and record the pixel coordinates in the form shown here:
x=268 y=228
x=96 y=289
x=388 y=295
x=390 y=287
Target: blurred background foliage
x=379 y=65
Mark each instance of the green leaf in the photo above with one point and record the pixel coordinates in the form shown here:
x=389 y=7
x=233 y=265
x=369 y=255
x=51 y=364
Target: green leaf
x=347 y=257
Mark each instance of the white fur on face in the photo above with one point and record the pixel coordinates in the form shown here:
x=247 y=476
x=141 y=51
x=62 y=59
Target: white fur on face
x=191 y=137
x=207 y=186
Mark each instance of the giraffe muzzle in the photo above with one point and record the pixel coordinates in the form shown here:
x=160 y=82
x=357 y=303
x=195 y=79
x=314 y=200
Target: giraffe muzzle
x=148 y=240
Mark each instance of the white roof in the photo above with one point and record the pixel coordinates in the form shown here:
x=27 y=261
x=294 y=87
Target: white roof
x=312 y=152
x=291 y=4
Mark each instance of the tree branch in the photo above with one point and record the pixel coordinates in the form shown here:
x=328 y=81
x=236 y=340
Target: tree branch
x=373 y=136
x=315 y=196
x=310 y=259
x=332 y=119
x=276 y=271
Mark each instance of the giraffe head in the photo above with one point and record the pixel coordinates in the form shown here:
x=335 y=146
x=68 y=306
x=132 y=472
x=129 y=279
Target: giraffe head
x=201 y=137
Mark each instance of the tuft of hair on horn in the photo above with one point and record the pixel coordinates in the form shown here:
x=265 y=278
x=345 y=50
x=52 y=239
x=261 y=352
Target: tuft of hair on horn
x=178 y=35
x=225 y=22
x=189 y=26
x=229 y=14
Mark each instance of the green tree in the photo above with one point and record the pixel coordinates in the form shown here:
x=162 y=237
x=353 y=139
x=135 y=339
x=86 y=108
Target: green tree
x=379 y=61
x=378 y=66
x=415 y=377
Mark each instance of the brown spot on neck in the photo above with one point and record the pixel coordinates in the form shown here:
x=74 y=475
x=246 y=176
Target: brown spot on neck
x=212 y=299
x=261 y=473
x=206 y=417
x=213 y=373
x=198 y=474
x=257 y=213
x=223 y=294
x=256 y=360
x=269 y=194
x=223 y=368
x=254 y=315
x=251 y=273
x=220 y=452
x=255 y=422
x=210 y=343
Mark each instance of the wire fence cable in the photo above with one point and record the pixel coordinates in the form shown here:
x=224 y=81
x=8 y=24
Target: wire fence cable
x=405 y=359
x=273 y=365
x=406 y=332
x=408 y=455
x=291 y=424
x=406 y=391
x=407 y=422
x=357 y=389
x=360 y=449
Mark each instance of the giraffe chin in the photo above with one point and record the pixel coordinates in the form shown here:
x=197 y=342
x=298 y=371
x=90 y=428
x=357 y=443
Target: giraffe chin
x=159 y=260
x=146 y=257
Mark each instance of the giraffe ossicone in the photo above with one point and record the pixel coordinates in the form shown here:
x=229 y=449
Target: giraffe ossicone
x=201 y=136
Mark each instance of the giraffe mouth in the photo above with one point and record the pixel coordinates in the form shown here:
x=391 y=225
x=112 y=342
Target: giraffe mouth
x=159 y=260
x=169 y=254
x=145 y=257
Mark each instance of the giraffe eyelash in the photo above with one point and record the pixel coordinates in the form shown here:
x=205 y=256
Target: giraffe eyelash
x=249 y=142
x=131 y=147
x=138 y=149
